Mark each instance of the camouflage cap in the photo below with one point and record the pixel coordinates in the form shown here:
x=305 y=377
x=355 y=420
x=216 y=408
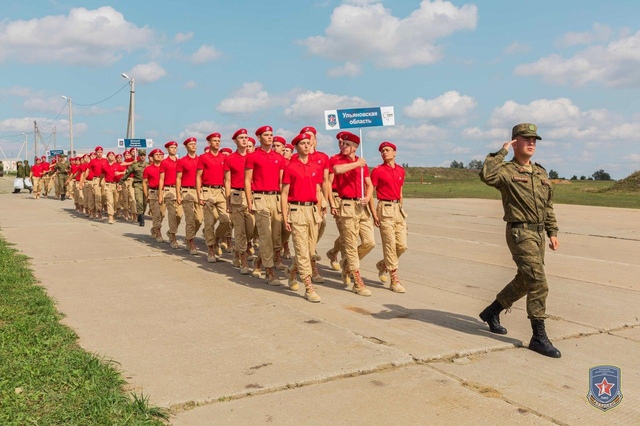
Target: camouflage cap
x=525 y=130
x=142 y=153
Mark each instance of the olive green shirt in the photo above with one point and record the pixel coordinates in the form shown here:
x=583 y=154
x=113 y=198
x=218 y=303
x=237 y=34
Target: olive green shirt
x=62 y=167
x=137 y=168
x=526 y=194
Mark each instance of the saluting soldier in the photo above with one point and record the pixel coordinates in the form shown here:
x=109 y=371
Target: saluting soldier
x=211 y=196
x=355 y=210
x=389 y=216
x=186 y=194
x=302 y=212
x=137 y=169
x=528 y=210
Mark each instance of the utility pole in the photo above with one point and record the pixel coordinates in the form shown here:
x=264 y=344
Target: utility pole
x=54 y=137
x=26 y=148
x=35 y=138
x=71 y=154
x=131 y=125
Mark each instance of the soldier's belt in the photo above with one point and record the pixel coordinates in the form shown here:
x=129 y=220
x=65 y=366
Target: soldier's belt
x=538 y=227
x=169 y=186
x=212 y=186
x=303 y=203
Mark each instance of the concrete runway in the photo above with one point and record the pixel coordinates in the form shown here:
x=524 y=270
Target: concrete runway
x=220 y=348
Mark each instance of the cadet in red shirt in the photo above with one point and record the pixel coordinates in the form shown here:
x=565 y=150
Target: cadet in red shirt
x=355 y=209
x=36 y=177
x=85 y=184
x=167 y=191
x=186 y=194
x=388 y=178
x=95 y=200
x=210 y=189
x=263 y=175
x=110 y=184
x=338 y=244
x=150 y=187
x=302 y=212
x=243 y=221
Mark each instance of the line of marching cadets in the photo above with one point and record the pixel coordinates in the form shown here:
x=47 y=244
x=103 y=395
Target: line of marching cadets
x=265 y=194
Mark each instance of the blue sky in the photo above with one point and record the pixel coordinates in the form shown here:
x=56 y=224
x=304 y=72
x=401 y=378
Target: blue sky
x=459 y=74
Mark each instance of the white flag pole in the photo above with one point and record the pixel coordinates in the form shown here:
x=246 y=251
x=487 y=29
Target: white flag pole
x=361 y=168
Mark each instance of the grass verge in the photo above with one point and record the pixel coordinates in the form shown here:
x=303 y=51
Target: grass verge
x=45 y=377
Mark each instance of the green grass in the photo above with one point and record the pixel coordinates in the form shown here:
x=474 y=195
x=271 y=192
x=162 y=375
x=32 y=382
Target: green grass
x=467 y=184
x=45 y=377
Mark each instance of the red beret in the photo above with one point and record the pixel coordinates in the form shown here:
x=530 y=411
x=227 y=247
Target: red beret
x=85 y=156
x=308 y=129
x=170 y=143
x=227 y=150
x=54 y=161
x=214 y=135
x=98 y=148
x=263 y=129
x=38 y=159
x=207 y=149
x=339 y=135
x=348 y=136
x=118 y=155
x=299 y=137
x=43 y=157
x=289 y=146
x=127 y=153
x=280 y=139
x=155 y=151
x=110 y=152
x=384 y=144
x=252 y=140
x=186 y=141
x=239 y=132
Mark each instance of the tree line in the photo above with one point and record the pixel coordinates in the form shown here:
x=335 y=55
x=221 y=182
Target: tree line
x=477 y=165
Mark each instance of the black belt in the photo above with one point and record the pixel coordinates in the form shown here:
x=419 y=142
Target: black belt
x=538 y=227
x=389 y=201
x=169 y=186
x=303 y=203
x=350 y=199
x=237 y=189
x=212 y=186
x=155 y=189
x=187 y=187
x=267 y=192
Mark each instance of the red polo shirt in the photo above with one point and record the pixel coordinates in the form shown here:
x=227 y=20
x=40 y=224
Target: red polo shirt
x=188 y=166
x=317 y=157
x=235 y=164
x=212 y=167
x=336 y=178
x=266 y=168
x=303 y=180
x=388 y=181
x=89 y=173
x=349 y=184
x=152 y=174
x=109 y=171
x=168 y=167
x=96 y=166
x=36 y=170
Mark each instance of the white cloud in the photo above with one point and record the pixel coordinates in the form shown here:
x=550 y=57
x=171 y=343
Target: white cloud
x=25 y=125
x=448 y=106
x=147 y=73
x=201 y=129
x=51 y=104
x=600 y=33
x=516 y=47
x=361 y=30
x=182 y=37
x=311 y=105
x=613 y=65
x=190 y=84
x=249 y=98
x=349 y=69
x=205 y=54
x=84 y=37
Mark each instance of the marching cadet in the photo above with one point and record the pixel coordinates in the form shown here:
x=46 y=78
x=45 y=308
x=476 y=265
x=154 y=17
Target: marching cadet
x=167 y=191
x=110 y=184
x=301 y=202
x=36 y=177
x=62 y=169
x=338 y=244
x=279 y=145
x=46 y=177
x=211 y=196
x=528 y=210
x=354 y=210
x=389 y=216
x=287 y=152
x=243 y=221
x=150 y=186
x=96 y=165
x=85 y=187
x=78 y=195
x=137 y=169
x=186 y=195
x=263 y=175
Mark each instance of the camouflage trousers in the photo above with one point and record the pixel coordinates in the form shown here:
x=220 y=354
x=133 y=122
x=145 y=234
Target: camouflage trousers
x=141 y=204
x=527 y=250
x=61 y=187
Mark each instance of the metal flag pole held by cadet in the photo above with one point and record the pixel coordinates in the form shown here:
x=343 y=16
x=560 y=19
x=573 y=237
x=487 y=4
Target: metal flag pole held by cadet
x=361 y=167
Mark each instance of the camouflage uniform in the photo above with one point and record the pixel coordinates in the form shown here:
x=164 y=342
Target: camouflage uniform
x=137 y=168
x=62 y=169
x=528 y=210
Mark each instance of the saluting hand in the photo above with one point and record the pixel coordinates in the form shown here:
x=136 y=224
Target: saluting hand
x=508 y=145
x=554 y=243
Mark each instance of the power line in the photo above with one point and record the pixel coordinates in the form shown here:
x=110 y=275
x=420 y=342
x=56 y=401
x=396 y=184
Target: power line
x=106 y=99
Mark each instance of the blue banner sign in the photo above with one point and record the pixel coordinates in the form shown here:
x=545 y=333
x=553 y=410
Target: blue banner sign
x=336 y=119
x=135 y=143
x=54 y=152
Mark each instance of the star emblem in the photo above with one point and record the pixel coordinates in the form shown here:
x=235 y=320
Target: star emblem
x=604 y=387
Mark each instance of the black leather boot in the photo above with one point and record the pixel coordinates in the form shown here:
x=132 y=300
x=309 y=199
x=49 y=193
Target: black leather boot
x=490 y=315
x=63 y=197
x=540 y=342
x=141 y=219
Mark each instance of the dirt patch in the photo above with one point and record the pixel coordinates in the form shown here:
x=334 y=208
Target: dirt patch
x=358 y=310
x=561 y=182
x=629 y=184
x=483 y=390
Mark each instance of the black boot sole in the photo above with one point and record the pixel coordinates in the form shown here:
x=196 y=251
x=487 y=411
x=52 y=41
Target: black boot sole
x=551 y=352
x=486 y=317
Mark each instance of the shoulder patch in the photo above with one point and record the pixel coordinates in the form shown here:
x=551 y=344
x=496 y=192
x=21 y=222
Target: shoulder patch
x=519 y=179
x=546 y=182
